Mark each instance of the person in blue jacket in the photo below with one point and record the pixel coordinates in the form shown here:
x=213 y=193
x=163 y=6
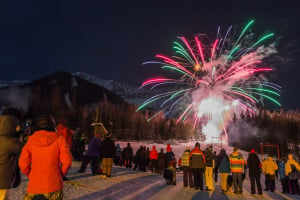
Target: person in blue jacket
x=223 y=165
x=283 y=179
x=118 y=155
x=92 y=154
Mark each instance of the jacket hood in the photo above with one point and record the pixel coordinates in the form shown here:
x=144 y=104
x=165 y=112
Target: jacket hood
x=60 y=127
x=153 y=147
x=169 y=148
x=235 y=153
x=252 y=155
x=43 y=138
x=8 y=125
x=270 y=158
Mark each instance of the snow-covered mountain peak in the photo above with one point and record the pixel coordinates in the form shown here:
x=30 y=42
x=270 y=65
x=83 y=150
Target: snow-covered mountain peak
x=12 y=83
x=130 y=93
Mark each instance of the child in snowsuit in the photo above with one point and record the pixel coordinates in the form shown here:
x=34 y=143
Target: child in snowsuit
x=170 y=174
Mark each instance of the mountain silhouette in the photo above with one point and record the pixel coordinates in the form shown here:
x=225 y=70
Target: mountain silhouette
x=58 y=94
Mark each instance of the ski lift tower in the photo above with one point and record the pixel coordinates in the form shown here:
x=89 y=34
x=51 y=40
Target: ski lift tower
x=98 y=126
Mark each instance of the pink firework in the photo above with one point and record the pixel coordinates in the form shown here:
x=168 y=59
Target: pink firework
x=214 y=82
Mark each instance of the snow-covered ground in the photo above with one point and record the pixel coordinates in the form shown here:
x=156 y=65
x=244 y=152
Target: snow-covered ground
x=132 y=184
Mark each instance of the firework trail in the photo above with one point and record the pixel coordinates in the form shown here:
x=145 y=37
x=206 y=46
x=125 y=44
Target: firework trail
x=214 y=80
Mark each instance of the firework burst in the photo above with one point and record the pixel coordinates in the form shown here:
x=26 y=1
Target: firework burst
x=214 y=79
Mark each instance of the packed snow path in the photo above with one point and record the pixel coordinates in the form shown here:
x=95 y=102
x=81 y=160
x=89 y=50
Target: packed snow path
x=132 y=184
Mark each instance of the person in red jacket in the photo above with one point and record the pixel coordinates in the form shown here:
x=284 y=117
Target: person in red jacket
x=153 y=160
x=197 y=164
x=65 y=131
x=45 y=159
x=179 y=163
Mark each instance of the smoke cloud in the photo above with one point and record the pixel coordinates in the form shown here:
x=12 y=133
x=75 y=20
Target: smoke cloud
x=15 y=97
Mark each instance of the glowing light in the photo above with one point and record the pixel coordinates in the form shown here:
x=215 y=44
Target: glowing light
x=235 y=103
x=197 y=67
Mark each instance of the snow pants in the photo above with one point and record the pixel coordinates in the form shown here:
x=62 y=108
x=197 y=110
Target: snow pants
x=256 y=179
x=198 y=177
x=294 y=186
x=237 y=182
x=128 y=163
x=223 y=183
x=187 y=176
x=270 y=182
x=285 y=185
x=107 y=166
x=3 y=194
x=94 y=164
x=58 y=195
x=153 y=165
x=209 y=178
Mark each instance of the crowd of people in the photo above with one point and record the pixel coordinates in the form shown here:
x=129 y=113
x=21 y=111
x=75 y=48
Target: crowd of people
x=206 y=166
x=42 y=152
x=200 y=165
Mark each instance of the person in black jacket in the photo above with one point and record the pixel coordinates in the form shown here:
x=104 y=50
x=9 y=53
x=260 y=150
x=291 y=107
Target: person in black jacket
x=161 y=161
x=169 y=156
x=137 y=158
x=144 y=160
x=128 y=156
x=10 y=149
x=215 y=157
x=108 y=153
x=253 y=163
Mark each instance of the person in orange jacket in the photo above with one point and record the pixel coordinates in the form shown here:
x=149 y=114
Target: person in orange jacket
x=153 y=160
x=45 y=160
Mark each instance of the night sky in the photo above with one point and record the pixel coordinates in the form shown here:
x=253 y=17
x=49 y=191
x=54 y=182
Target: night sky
x=111 y=39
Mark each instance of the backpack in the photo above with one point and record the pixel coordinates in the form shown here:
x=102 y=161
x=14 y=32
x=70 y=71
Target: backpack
x=169 y=157
x=225 y=166
x=209 y=158
x=294 y=174
x=294 y=169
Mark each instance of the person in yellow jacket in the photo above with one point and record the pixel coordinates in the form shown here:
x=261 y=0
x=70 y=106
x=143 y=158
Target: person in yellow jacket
x=292 y=169
x=187 y=171
x=269 y=167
